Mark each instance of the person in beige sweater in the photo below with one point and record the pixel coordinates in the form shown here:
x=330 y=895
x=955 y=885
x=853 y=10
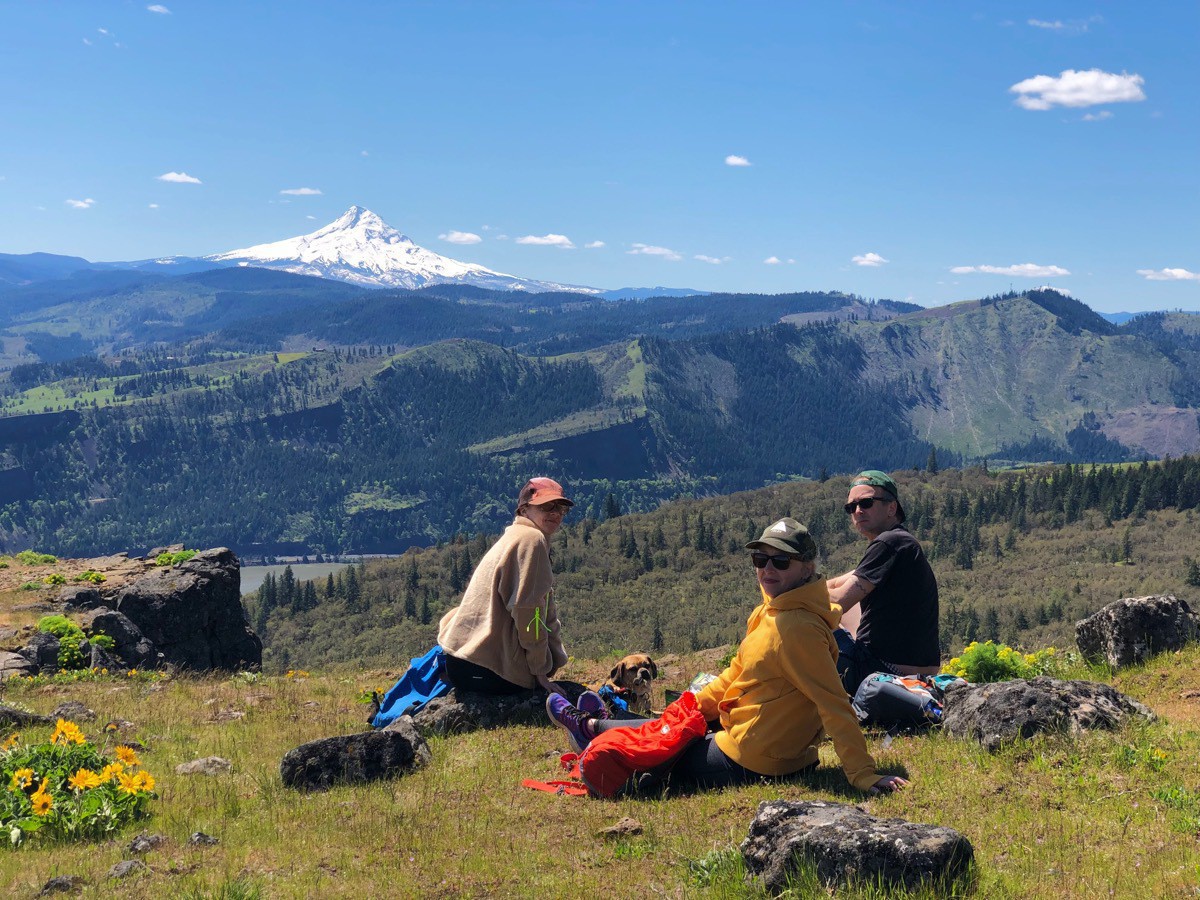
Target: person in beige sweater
x=504 y=636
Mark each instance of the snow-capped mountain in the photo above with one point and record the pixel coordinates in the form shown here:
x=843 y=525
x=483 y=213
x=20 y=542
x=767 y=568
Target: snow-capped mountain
x=359 y=247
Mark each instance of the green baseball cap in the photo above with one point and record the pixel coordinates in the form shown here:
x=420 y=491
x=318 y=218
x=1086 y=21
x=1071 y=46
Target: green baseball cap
x=789 y=536
x=884 y=482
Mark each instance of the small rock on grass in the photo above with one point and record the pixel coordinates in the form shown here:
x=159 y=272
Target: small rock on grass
x=127 y=867
x=145 y=842
x=200 y=839
x=62 y=884
x=74 y=711
x=10 y=716
x=206 y=765
x=624 y=828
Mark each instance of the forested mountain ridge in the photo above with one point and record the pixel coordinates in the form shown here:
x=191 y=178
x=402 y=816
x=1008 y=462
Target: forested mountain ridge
x=1020 y=557
x=1036 y=376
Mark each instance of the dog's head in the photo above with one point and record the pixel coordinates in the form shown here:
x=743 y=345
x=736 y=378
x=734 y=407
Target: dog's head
x=634 y=673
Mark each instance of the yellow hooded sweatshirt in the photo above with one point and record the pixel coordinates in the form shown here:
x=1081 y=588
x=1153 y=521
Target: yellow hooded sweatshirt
x=781 y=692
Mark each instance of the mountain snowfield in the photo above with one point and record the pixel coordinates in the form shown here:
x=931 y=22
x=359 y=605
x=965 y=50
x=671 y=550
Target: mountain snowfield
x=360 y=248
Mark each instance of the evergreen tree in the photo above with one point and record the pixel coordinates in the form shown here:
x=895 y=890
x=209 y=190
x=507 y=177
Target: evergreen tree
x=931 y=464
x=329 y=587
x=1192 y=578
x=353 y=590
x=612 y=509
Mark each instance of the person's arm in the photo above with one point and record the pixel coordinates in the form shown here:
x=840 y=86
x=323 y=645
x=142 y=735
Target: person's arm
x=806 y=663
x=848 y=590
x=531 y=582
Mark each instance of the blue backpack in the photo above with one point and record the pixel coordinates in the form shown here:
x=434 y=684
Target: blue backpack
x=421 y=683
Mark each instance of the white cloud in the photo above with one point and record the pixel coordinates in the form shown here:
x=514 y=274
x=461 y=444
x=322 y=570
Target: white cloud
x=152 y=206
x=732 y=160
x=772 y=260
x=102 y=30
x=1073 y=88
x=712 y=260
x=301 y=192
x=1050 y=287
x=1073 y=26
x=365 y=153
x=87 y=41
x=1169 y=275
x=81 y=204
x=310 y=217
x=593 y=245
x=460 y=237
x=158 y=8
x=1054 y=26
x=651 y=250
x=1023 y=270
x=872 y=260
x=179 y=178
x=547 y=240
x=1098 y=116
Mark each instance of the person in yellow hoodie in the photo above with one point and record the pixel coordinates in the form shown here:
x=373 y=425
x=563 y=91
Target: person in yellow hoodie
x=771 y=708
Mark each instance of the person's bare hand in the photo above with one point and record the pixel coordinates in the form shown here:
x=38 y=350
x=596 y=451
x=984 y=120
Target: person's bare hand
x=889 y=783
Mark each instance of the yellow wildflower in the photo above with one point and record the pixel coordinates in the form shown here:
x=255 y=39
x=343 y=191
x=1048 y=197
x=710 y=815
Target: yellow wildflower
x=11 y=742
x=111 y=771
x=128 y=783
x=22 y=778
x=84 y=779
x=144 y=781
x=67 y=733
x=131 y=673
x=42 y=801
x=127 y=756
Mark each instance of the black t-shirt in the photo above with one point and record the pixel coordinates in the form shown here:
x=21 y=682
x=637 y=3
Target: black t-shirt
x=900 y=616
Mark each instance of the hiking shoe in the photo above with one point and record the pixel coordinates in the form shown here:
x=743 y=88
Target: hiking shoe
x=592 y=704
x=570 y=719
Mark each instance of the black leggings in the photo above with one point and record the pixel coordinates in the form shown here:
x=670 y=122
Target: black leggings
x=701 y=765
x=467 y=676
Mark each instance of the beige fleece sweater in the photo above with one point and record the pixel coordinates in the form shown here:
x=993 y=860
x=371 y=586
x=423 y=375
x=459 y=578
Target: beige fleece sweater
x=507 y=621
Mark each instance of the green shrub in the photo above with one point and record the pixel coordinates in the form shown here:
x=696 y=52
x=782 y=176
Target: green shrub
x=989 y=661
x=32 y=558
x=100 y=639
x=30 y=586
x=171 y=559
x=93 y=577
x=59 y=626
x=55 y=578
x=67 y=790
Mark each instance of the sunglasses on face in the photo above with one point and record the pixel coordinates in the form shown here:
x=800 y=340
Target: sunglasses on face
x=864 y=503
x=779 y=560
x=555 y=507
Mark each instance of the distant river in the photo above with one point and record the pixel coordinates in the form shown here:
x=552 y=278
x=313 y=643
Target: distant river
x=253 y=576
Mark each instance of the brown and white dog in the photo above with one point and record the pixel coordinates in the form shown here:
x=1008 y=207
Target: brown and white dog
x=632 y=679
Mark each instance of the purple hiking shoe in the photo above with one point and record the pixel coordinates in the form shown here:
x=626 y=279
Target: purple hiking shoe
x=571 y=720
x=592 y=704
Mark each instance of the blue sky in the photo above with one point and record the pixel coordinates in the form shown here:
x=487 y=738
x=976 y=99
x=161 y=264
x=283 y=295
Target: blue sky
x=929 y=152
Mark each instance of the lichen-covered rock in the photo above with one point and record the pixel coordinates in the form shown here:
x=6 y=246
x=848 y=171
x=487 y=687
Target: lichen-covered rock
x=1004 y=711
x=42 y=651
x=206 y=765
x=74 y=711
x=12 y=664
x=462 y=711
x=846 y=845
x=130 y=646
x=10 y=716
x=368 y=756
x=1131 y=630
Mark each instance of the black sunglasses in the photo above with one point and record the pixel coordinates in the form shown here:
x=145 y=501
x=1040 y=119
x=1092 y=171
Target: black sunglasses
x=779 y=560
x=865 y=503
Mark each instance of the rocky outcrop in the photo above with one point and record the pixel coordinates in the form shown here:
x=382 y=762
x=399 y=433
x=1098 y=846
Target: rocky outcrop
x=1005 y=711
x=845 y=845
x=462 y=711
x=192 y=613
x=1131 y=630
x=11 y=715
x=354 y=758
x=15 y=664
x=130 y=646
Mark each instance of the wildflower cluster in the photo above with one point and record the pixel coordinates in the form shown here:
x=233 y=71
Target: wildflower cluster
x=297 y=673
x=173 y=559
x=74 y=676
x=999 y=662
x=67 y=789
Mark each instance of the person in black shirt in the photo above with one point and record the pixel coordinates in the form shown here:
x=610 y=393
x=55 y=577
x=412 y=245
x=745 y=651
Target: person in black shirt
x=893 y=586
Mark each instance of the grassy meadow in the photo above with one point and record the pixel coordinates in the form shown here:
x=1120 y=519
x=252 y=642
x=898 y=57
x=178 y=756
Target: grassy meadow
x=1103 y=815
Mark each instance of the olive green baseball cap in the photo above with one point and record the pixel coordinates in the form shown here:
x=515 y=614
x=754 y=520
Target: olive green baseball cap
x=884 y=482
x=789 y=536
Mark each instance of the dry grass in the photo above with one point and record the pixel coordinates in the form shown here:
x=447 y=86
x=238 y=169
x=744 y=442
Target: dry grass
x=1106 y=815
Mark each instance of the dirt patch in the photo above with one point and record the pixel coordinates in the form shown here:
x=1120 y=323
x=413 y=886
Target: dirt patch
x=1158 y=430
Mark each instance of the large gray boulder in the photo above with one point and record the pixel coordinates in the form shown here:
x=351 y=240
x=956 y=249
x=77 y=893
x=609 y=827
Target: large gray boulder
x=192 y=613
x=355 y=758
x=14 y=664
x=462 y=711
x=130 y=645
x=1131 y=630
x=1005 y=711
x=846 y=845
x=42 y=651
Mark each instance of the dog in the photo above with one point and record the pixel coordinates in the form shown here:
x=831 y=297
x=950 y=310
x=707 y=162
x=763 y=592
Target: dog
x=631 y=679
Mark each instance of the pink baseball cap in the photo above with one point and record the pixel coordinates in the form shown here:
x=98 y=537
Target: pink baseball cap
x=541 y=490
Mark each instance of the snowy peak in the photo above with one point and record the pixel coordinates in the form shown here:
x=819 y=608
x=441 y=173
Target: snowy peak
x=360 y=248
